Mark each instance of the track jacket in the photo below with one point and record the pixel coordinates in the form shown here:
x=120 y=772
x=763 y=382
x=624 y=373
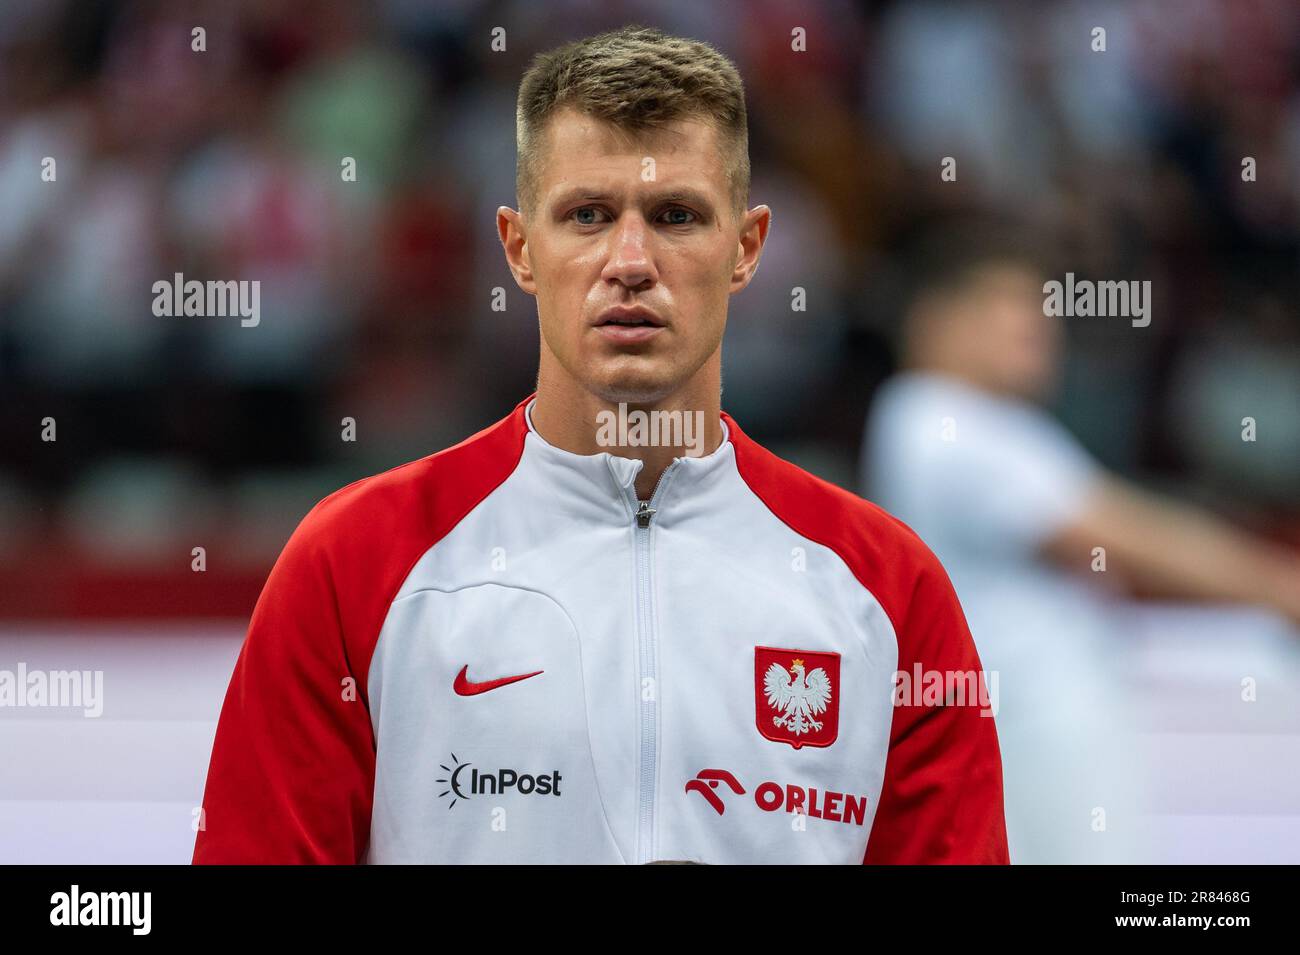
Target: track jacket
x=496 y=653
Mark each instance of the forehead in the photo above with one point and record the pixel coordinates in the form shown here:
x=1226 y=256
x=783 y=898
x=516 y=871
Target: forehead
x=583 y=151
x=1008 y=278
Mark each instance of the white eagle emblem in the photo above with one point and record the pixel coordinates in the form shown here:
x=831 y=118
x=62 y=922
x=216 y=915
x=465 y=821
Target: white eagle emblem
x=797 y=698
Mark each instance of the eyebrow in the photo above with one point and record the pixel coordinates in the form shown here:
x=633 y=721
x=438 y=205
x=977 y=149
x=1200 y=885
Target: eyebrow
x=585 y=193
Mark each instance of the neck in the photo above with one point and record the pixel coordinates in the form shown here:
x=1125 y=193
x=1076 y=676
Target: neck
x=953 y=363
x=683 y=424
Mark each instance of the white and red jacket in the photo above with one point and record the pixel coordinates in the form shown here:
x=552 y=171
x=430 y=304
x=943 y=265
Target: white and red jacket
x=496 y=653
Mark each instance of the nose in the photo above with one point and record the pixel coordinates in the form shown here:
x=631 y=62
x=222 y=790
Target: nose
x=630 y=260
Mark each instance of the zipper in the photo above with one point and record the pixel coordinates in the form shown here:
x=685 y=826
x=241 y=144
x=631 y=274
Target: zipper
x=648 y=709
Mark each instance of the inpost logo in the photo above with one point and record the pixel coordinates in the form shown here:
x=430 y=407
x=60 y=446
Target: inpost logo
x=463 y=781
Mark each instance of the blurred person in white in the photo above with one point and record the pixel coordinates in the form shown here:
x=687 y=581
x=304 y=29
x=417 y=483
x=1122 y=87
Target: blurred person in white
x=958 y=446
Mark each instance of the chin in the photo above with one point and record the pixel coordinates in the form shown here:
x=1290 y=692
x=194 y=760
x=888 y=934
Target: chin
x=1038 y=388
x=626 y=382
x=631 y=392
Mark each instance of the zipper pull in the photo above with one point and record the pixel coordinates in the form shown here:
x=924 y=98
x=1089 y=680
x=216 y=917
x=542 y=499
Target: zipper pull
x=643 y=514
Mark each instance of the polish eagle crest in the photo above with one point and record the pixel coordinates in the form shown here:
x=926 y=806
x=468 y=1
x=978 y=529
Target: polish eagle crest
x=797 y=696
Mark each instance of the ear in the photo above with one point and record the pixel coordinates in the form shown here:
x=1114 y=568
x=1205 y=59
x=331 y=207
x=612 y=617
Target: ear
x=753 y=235
x=512 y=231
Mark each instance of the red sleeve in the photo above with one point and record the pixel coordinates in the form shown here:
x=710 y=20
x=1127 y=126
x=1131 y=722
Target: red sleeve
x=292 y=771
x=941 y=801
x=293 y=763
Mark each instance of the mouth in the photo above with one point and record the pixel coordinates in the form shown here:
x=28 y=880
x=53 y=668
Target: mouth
x=628 y=324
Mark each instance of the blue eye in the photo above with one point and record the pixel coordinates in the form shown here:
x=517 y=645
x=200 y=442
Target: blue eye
x=592 y=215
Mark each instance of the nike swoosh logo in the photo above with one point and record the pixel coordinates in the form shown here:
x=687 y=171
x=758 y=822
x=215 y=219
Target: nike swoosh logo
x=464 y=687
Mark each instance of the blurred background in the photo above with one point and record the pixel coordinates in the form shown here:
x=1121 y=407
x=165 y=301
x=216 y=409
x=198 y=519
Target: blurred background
x=376 y=304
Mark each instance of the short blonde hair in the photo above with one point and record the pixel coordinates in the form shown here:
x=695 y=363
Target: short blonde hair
x=637 y=78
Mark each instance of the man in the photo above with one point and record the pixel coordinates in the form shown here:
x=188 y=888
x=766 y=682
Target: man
x=560 y=641
x=958 y=446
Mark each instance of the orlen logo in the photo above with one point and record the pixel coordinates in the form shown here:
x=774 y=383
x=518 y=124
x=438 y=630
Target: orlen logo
x=771 y=797
x=707 y=781
x=462 y=786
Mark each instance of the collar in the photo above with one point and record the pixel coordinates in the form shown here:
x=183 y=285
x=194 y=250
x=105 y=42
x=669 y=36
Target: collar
x=612 y=477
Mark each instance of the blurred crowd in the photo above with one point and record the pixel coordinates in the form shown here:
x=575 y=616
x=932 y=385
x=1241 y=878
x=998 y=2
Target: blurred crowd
x=377 y=294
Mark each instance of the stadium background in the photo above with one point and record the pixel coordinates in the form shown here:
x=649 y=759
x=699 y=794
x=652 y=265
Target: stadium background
x=376 y=303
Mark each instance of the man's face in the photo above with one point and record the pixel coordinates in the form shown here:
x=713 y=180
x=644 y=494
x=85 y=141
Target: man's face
x=1022 y=345
x=632 y=249
x=997 y=327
